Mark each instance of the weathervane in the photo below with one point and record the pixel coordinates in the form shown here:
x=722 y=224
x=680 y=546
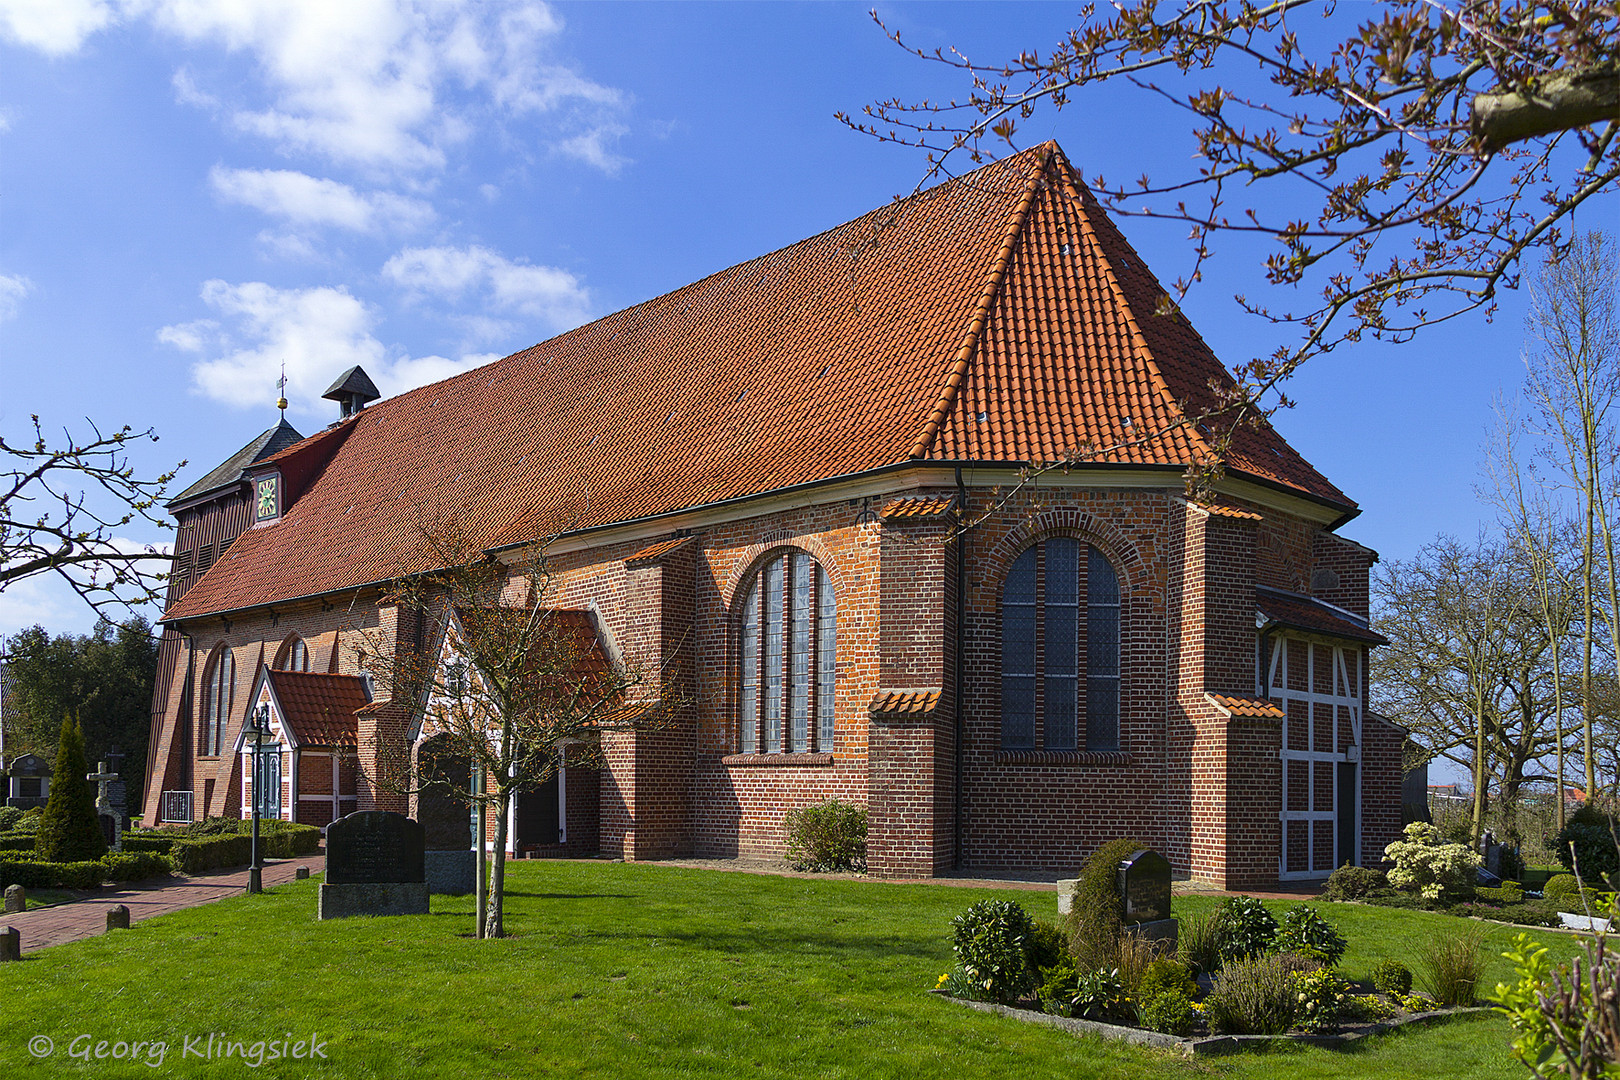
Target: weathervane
x=281 y=391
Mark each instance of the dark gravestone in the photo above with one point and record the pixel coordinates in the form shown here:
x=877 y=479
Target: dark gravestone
x=118 y=917
x=446 y=820
x=374 y=866
x=10 y=944
x=1143 y=882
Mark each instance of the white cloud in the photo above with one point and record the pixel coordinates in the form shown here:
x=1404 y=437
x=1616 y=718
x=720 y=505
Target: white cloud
x=54 y=27
x=309 y=201
x=13 y=287
x=316 y=332
x=555 y=297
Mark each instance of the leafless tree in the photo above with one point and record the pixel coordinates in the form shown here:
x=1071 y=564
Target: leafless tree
x=504 y=681
x=1403 y=155
x=61 y=509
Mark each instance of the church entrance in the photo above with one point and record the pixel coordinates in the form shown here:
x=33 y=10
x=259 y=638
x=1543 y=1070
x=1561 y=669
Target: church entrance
x=1318 y=684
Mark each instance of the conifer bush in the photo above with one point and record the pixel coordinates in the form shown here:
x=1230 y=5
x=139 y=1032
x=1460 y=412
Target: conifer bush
x=69 y=830
x=1096 y=921
x=1592 y=834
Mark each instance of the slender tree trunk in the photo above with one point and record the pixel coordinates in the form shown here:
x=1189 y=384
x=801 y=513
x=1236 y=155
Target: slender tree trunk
x=1587 y=606
x=1614 y=592
x=493 y=927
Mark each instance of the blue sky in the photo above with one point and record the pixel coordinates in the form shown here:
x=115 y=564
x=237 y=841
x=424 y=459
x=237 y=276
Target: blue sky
x=193 y=193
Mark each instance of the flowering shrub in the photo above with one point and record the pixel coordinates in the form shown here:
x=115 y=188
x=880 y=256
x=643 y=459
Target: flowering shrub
x=1320 y=1001
x=1427 y=866
x=1169 y=1011
x=1305 y=933
x=992 y=944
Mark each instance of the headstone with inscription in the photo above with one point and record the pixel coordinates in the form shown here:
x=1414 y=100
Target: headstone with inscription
x=1144 y=891
x=374 y=866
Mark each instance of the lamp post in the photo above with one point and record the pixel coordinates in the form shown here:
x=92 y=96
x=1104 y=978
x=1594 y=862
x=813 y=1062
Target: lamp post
x=257 y=728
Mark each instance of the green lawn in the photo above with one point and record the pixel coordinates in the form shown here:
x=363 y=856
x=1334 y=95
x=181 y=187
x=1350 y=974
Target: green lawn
x=630 y=970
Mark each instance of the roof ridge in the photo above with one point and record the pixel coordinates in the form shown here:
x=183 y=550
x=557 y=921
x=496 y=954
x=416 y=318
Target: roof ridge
x=993 y=281
x=1138 y=340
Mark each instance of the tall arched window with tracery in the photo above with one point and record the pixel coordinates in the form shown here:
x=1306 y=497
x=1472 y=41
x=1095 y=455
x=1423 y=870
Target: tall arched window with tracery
x=788 y=645
x=219 y=683
x=293 y=655
x=1060 y=649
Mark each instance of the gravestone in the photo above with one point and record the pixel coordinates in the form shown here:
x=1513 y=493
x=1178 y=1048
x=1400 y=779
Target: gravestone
x=16 y=899
x=10 y=944
x=446 y=823
x=118 y=917
x=1143 y=881
x=28 y=782
x=301 y=874
x=374 y=866
x=110 y=803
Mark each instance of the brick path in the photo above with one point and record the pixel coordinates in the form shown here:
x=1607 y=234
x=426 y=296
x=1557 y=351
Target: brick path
x=60 y=923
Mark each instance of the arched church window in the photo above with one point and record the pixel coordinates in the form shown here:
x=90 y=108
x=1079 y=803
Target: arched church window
x=788 y=629
x=293 y=656
x=1060 y=649
x=219 y=683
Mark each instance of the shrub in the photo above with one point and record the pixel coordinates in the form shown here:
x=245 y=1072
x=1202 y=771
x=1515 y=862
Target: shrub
x=1562 y=887
x=29 y=822
x=146 y=842
x=1136 y=954
x=827 y=836
x=992 y=943
x=9 y=816
x=1369 y=1008
x=1096 y=920
x=1057 y=989
x=1452 y=965
x=1305 y=933
x=1354 y=882
x=1529 y=913
x=1511 y=892
x=1198 y=941
x=1048 y=946
x=1392 y=977
x=135 y=865
x=1246 y=928
x=1169 y=1011
x=196 y=856
x=1100 y=995
x=1596 y=852
x=1432 y=869
x=69 y=830
x=17 y=843
x=288 y=840
x=1253 y=996
x=1165 y=975
x=1319 y=998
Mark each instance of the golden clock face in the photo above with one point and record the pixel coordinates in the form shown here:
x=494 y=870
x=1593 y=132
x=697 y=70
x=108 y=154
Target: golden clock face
x=267 y=498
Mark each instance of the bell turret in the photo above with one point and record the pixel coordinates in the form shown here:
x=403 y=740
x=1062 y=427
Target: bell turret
x=353 y=391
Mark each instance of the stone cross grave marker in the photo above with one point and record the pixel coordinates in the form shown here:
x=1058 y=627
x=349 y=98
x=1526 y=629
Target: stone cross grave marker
x=374 y=866
x=109 y=809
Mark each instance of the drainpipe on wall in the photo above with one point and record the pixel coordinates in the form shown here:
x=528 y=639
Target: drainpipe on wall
x=956 y=695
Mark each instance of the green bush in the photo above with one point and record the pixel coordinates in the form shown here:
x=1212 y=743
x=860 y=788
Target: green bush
x=196 y=856
x=1452 y=965
x=135 y=865
x=39 y=874
x=1354 y=882
x=1165 y=975
x=1057 y=989
x=826 y=836
x=69 y=830
x=1392 y=977
x=1369 y=1009
x=1048 y=946
x=16 y=843
x=1428 y=866
x=1254 y=996
x=1100 y=995
x=1169 y=1011
x=290 y=840
x=1511 y=892
x=9 y=816
x=1305 y=933
x=1319 y=998
x=992 y=944
x=1097 y=918
x=1247 y=928
x=1561 y=887
x=148 y=842
x=29 y=822
x=1198 y=941
x=1596 y=852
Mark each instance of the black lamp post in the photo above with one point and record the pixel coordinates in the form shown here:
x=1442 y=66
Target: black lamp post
x=258 y=728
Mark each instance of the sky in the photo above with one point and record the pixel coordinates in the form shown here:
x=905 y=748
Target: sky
x=193 y=194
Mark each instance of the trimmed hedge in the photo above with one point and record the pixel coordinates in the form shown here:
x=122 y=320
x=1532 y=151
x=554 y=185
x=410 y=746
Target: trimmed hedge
x=17 y=843
x=210 y=853
x=208 y=846
x=114 y=866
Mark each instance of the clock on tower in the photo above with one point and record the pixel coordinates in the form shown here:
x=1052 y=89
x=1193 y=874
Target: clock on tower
x=269 y=492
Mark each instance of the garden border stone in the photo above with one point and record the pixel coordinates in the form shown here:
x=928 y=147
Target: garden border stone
x=1205 y=1045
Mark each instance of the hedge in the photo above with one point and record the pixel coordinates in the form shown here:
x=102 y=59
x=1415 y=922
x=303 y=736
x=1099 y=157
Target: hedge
x=195 y=852
x=211 y=853
x=114 y=866
x=17 y=843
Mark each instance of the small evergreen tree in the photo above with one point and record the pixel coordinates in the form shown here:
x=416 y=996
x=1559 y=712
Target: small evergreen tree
x=69 y=830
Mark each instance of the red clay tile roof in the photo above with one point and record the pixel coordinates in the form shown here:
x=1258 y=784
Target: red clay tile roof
x=320 y=709
x=1247 y=706
x=1224 y=510
x=916 y=508
x=654 y=552
x=904 y=701
x=1303 y=613
x=997 y=317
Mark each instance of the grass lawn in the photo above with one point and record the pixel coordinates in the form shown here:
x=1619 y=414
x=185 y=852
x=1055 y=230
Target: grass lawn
x=47 y=897
x=633 y=970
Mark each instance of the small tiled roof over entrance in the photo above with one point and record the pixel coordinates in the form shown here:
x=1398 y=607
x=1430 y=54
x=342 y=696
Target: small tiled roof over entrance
x=997 y=318
x=318 y=708
x=1298 y=612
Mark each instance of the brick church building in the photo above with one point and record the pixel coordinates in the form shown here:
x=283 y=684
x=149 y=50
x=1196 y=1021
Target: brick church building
x=762 y=473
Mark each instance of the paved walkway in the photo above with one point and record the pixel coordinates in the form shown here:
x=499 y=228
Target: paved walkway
x=76 y=919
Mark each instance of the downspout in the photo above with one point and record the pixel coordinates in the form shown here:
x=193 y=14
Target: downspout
x=956 y=694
